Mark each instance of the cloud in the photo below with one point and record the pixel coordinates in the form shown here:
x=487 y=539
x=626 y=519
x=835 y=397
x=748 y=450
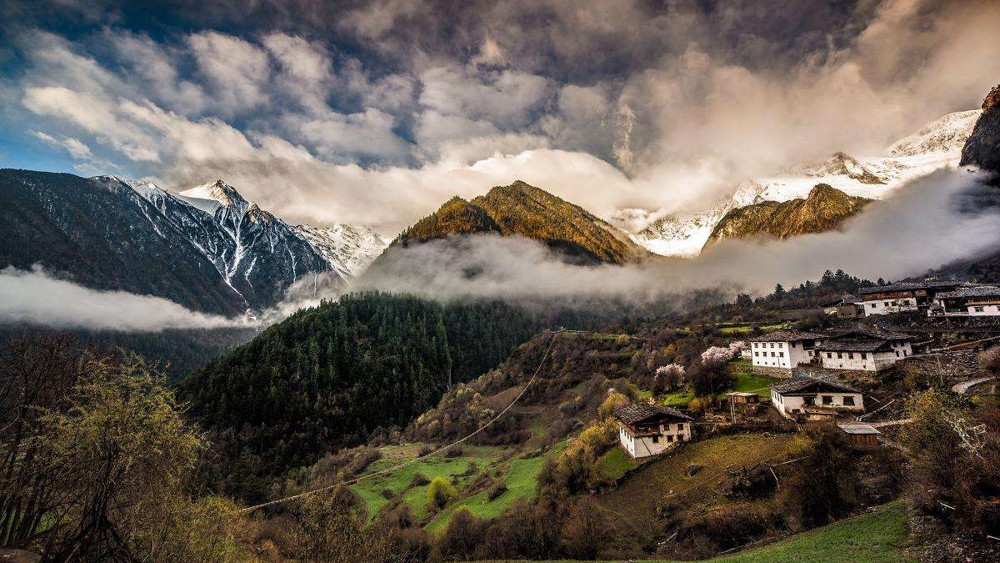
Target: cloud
x=377 y=112
x=925 y=224
x=36 y=297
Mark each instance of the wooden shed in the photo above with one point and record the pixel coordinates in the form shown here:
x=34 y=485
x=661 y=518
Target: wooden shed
x=861 y=434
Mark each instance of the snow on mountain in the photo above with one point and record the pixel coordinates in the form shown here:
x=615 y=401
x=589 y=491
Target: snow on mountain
x=936 y=145
x=348 y=249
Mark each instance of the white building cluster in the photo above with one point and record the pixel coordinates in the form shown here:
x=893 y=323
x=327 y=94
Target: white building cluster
x=778 y=353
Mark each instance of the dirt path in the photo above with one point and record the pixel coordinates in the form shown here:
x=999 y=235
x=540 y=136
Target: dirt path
x=963 y=387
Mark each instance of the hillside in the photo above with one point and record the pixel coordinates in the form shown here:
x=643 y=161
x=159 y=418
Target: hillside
x=983 y=147
x=329 y=376
x=824 y=209
x=101 y=235
x=524 y=210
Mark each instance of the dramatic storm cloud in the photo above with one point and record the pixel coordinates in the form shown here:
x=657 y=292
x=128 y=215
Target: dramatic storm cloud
x=376 y=112
x=35 y=297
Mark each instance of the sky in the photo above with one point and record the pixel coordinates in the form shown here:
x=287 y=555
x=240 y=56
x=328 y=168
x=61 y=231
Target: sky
x=376 y=112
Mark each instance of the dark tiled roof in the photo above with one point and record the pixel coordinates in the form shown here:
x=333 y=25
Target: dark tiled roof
x=638 y=412
x=908 y=286
x=787 y=336
x=853 y=345
x=802 y=383
x=868 y=333
x=977 y=291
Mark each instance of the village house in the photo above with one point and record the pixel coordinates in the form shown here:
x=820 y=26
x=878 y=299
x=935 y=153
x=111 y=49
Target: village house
x=806 y=398
x=971 y=301
x=646 y=429
x=861 y=434
x=846 y=307
x=777 y=353
x=901 y=297
x=864 y=350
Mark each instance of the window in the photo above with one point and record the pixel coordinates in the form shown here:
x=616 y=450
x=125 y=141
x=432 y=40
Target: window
x=864 y=356
x=756 y=354
x=680 y=427
x=670 y=438
x=840 y=356
x=850 y=355
x=979 y=309
x=781 y=354
x=897 y=353
x=848 y=401
x=656 y=439
x=827 y=400
x=829 y=354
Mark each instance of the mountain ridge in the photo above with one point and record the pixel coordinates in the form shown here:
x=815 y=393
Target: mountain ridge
x=824 y=209
x=525 y=210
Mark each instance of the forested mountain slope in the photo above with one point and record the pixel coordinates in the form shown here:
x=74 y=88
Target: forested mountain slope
x=329 y=376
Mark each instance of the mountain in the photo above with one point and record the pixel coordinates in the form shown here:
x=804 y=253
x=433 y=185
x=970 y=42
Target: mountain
x=330 y=376
x=936 y=145
x=348 y=249
x=262 y=254
x=825 y=208
x=207 y=248
x=105 y=235
x=983 y=146
x=524 y=210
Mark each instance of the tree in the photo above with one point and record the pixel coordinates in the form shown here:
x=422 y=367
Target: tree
x=441 y=492
x=824 y=482
x=779 y=292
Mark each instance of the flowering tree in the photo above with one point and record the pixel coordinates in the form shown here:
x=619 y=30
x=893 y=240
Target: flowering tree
x=669 y=376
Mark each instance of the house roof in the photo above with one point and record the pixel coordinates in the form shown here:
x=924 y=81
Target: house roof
x=868 y=333
x=853 y=345
x=858 y=428
x=802 y=384
x=974 y=291
x=786 y=336
x=908 y=286
x=640 y=412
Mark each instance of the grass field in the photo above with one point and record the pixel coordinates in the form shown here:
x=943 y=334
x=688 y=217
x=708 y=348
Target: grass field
x=636 y=500
x=872 y=538
x=743 y=329
x=399 y=482
x=615 y=464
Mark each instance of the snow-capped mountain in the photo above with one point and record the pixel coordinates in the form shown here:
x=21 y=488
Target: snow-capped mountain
x=936 y=145
x=348 y=249
x=256 y=254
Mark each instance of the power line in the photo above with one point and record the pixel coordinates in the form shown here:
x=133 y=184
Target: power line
x=397 y=467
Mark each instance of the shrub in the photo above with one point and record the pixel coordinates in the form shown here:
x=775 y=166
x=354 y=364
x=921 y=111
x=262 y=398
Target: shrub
x=495 y=492
x=441 y=492
x=419 y=480
x=454 y=451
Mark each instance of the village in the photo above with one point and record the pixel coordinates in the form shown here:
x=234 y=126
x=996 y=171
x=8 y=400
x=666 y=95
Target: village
x=812 y=369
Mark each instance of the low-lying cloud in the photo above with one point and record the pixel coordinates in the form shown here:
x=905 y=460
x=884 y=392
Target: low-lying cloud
x=925 y=224
x=38 y=298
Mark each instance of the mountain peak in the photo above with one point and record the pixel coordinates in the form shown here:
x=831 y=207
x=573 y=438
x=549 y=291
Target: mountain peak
x=218 y=191
x=992 y=99
x=983 y=146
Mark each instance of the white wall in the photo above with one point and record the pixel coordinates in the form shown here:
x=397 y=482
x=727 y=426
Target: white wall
x=987 y=310
x=886 y=306
x=866 y=361
x=786 y=405
x=670 y=435
x=784 y=355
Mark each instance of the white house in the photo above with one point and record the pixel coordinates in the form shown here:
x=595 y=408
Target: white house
x=815 y=399
x=646 y=429
x=972 y=301
x=901 y=297
x=864 y=350
x=777 y=353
